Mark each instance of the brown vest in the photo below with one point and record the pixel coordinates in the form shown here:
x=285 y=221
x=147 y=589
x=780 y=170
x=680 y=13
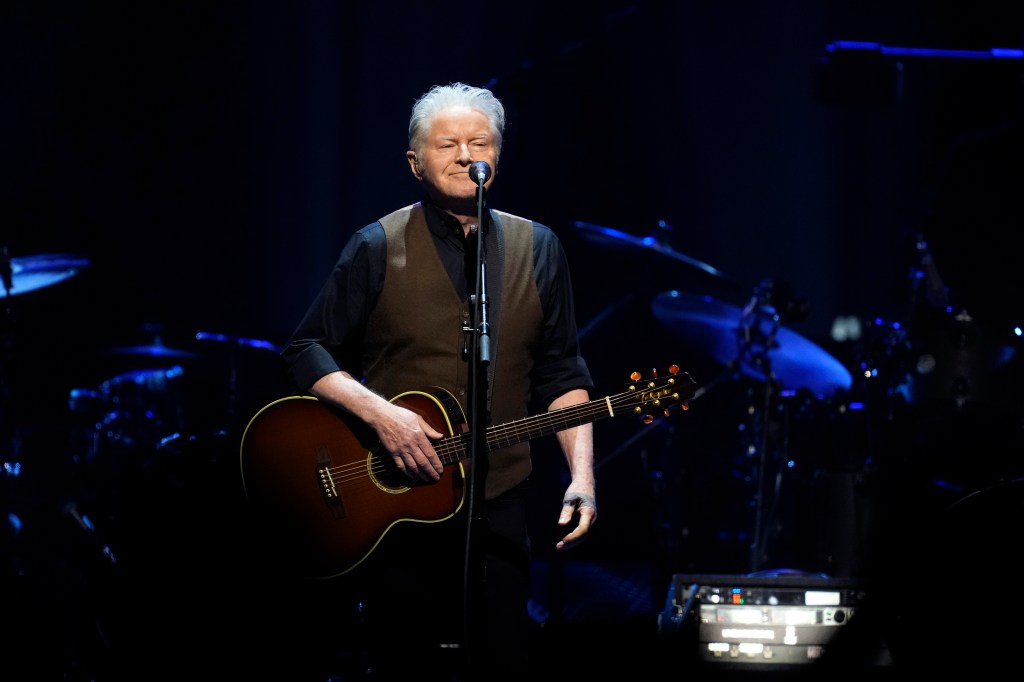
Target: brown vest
x=414 y=337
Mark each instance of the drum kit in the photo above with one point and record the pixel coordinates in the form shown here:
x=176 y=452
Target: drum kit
x=749 y=339
x=122 y=492
x=145 y=404
x=160 y=413
x=799 y=408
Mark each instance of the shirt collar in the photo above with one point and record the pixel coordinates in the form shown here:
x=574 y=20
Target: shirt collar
x=440 y=222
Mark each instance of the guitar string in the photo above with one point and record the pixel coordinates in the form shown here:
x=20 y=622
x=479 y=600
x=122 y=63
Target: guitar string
x=450 y=448
x=452 y=445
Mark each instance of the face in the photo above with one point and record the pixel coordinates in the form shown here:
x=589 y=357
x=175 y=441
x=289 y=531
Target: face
x=457 y=138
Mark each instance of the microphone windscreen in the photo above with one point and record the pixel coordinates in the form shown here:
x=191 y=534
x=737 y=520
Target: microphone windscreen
x=480 y=172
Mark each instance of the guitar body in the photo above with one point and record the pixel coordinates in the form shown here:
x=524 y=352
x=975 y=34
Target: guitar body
x=322 y=495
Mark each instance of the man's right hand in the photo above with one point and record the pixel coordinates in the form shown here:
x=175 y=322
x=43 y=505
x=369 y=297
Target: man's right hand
x=407 y=436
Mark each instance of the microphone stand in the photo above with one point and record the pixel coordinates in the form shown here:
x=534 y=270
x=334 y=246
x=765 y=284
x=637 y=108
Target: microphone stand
x=480 y=359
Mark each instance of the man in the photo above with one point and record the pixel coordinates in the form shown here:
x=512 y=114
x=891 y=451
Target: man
x=397 y=314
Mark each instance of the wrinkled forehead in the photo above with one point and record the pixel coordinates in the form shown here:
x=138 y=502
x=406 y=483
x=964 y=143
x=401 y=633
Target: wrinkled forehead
x=459 y=117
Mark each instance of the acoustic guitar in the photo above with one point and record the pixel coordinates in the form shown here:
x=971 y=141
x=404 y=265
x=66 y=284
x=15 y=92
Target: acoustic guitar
x=324 y=492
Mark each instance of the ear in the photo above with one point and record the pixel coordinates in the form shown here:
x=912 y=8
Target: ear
x=414 y=166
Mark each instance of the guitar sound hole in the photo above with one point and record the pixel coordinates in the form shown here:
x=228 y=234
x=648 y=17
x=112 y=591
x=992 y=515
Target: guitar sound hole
x=388 y=474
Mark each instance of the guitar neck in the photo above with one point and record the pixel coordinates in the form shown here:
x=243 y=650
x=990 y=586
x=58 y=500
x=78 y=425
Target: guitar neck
x=456 y=448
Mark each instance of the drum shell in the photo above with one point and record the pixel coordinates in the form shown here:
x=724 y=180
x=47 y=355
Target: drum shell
x=959 y=361
x=143 y=407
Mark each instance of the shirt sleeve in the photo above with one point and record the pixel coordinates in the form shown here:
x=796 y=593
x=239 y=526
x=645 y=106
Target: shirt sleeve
x=329 y=334
x=560 y=366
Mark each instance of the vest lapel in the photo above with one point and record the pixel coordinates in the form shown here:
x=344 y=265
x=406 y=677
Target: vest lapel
x=494 y=241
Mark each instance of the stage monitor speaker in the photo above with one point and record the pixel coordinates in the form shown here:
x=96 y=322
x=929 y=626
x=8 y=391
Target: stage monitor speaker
x=777 y=621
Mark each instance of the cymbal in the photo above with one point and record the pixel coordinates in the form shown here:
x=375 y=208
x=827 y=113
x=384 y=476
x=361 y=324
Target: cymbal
x=238 y=341
x=609 y=236
x=154 y=350
x=29 y=273
x=752 y=341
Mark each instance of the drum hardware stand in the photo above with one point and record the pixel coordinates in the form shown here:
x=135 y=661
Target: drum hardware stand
x=759 y=325
x=9 y=465
x=608 y=311
x=235 y=344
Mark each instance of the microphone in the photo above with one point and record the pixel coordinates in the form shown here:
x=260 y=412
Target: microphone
x=480 y=172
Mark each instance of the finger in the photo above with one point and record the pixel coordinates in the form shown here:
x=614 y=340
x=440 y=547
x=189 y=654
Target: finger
x=400 y=465
x=420 y=465
x=405 y=463
x=571 y=539
x=429 y=464
x=431 y=432
x=588 y=515
x=435 y=466
x=571 y=507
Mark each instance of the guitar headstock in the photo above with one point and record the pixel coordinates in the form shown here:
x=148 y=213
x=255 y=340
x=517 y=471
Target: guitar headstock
x=661 y=393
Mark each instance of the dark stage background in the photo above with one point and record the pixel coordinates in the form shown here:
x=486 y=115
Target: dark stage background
x=183 y=175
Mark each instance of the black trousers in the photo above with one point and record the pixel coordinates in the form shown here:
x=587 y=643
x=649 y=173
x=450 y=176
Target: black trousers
x=433 y=601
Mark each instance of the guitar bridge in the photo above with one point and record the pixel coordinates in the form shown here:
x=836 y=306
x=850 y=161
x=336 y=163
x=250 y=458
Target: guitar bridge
x=328 y=489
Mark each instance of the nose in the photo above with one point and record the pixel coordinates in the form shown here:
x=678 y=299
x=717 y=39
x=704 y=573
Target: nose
x=464 y=155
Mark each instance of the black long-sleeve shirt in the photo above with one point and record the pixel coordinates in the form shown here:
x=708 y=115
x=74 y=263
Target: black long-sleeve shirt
x=329 y=336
